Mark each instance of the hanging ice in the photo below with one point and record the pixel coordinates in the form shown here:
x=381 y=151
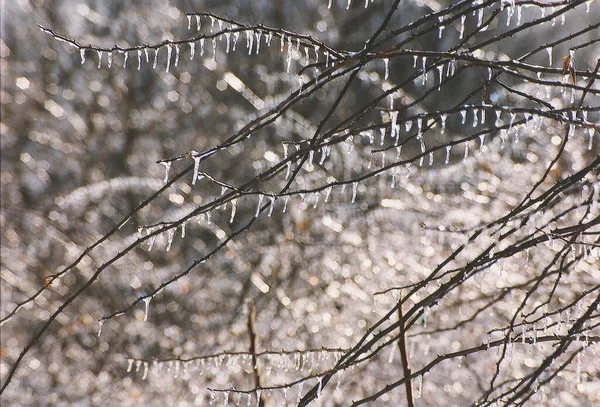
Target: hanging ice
x=447 y=160
x=139 y=54
x=82 y=54
x=110 y=58
x=146 y=307
x=177 y=54
x=125 y=57
x=462 y=27
x=441 y=27
x=99 y=59
x=260 y=199
x=354 y=191
x=197 y=160
x=249 y=41
x=170 y=237
x=271 y=206
x=100 y=326
x=463 y=115
x=233 y=209
x=192 y=49
x=155 y=59
x=443 y=118
x=386 y=62
x=167 y=165
x=424 y=71
x=198 y=23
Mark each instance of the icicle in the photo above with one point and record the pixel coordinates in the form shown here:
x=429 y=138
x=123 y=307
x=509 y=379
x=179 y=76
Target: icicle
x=212 y=23
x=145 y=375
x=329 y=5
x=463 y=115
x=447 y=160
x=591 y=138
x=258 y=37
x=443 y=118
x=155 y=59
x=440 y=69
x=167 y=165
x=228 y=42
x=100 y=326
x=466 y=151
x=381 y=136
x=170 y=236
x=462 y=26
x=198 y=23
x=192 y=49
x=407 y=125
x=236 y=37
x=214 y=49
x=288 y=61
x=424 y=71
x=110 y=58
x=183 y=230
x=197 y=160
x=475 y=117
x=430 y=159
x=177 y=51
x=386 y=63
x=249 y=41
x=512 y=119
x=498 y=121
x=480 y=18
x=441 y=27
x=328 y=193
x=260 y=199
x=271 y=206
x=139 y=54
x=354 y=191
x=147 y=52
x=519 y=14
x=147 y=306
x=233 y=209
x=129 y=364
x=482 y=118
x=419 y=391
x=285 y=203
x=415 y=61
x=82 y=54
x=481 y=141
x=125 y=57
